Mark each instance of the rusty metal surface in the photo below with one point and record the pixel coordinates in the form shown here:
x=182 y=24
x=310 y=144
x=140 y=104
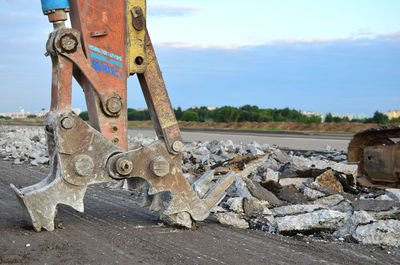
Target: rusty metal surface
x=136 y=36
x=382 y=163
x=163 y=173
x=376 y=154
x=157 y=99
x=78 y=158
x=57 y=15
x=89 y=16
x=81 y=156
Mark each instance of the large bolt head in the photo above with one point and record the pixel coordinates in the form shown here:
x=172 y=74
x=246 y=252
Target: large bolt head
x=160 y=166
x=124 y=167
x=114 y=105
x=177 y=146
x=83 y=165
x=67 y=123
x=68 y=43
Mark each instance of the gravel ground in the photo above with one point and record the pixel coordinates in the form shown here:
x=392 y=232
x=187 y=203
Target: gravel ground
x=293 y=193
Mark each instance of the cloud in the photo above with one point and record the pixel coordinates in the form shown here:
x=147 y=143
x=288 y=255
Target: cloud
x=170 y=10
x=191 y=46
x=364 y=38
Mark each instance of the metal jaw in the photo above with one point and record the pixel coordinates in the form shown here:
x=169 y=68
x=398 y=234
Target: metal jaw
x=81 y=156
x=78 y=157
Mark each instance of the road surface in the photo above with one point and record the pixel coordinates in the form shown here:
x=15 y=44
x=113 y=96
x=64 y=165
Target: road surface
x=286 y=140
x=297 y=141
x=114 y=230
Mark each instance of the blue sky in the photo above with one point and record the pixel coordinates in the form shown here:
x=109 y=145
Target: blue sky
x=325 y=56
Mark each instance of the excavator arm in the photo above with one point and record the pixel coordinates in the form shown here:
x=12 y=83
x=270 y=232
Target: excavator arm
x=108 y=43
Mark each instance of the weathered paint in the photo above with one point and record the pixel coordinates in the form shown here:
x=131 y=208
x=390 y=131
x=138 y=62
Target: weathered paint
x=89 y=16
x=49 y=6
x=136 y=39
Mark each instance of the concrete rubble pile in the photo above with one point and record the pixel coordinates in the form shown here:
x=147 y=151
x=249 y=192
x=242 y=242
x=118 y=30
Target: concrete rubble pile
x=291 y=193
x=313 y=194
x=23 y=145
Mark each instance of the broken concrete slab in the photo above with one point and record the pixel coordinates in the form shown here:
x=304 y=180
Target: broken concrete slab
x=374 y=205
x=305 y=164
x=272 y=186
x=272 y=175
x=349 y=228
x=298 y=182
x=329 y=201
x=241 y=188
x=235 y=204
x=253 y=208
x=330 y=181
x=321 y=220
x=382 y=232
x=312 y=194
x=232 y=219
x=394 y=194
x=292 y=195
x=261 y=193
x=294 y=209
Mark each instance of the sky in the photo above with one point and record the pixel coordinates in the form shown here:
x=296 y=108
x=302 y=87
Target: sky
x=339 y=56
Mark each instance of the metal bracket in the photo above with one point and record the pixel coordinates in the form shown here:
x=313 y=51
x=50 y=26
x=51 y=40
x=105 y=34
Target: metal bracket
x=136 y=38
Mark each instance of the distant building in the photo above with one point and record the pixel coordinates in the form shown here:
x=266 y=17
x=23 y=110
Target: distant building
x=311 y=113
x=77 y=111
x=41 y=113
x=140 y=109
x=393 y=114
x=18 y=115
x=208 y=107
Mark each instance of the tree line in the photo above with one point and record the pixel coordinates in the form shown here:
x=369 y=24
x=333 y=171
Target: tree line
x=250 y=113
x=230 y=114
x=227 y=114
x=378 y=117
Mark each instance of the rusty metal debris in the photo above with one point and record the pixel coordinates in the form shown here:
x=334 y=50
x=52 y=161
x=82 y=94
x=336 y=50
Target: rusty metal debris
x=377 y=154
x=94 y=51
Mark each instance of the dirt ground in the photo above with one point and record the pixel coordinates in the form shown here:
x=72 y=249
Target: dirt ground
x=114 y=230
x=344 y=127
x=332 y=127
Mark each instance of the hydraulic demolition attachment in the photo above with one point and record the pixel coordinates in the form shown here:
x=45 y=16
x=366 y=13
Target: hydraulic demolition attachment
x=377 y=152
x=109 y=42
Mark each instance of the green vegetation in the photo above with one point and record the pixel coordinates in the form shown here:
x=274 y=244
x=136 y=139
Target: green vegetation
x=84 y=115
x=190 y=116
x=249 y=113
x=230 y=114
x=4 y=118
x=379 y=118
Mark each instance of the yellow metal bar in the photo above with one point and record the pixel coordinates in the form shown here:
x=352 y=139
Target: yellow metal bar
x=136 y=37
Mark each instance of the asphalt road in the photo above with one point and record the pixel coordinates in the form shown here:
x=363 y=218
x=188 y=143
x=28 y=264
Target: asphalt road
x=114 y=230
x=296 y=141
x=285 y=140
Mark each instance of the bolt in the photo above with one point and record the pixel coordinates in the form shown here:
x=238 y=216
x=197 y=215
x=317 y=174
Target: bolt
x=115 y=140
x=138 y=10
x=160 y=166
x=114 y=104
x=83 y=165
x=124 y=167
x=114 y=128
x=67 y=123
x=177 y=146
x=138 y=19
x=139 y=60
x=69 y=42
